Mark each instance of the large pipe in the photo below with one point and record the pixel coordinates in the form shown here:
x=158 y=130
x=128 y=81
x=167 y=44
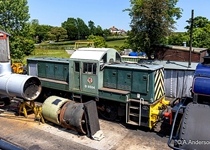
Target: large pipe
x=17 y=85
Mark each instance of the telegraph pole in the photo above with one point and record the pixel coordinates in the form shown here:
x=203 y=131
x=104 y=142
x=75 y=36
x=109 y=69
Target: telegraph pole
x=191 y=32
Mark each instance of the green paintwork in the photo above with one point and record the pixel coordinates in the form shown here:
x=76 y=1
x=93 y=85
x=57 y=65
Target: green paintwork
x=79 y=80
x=64 y=74
x=89 y=87
x=114 y=96
x=53 y=85
x=124 y=77
x=131 y=79
x=110 y=77
x=50 y=70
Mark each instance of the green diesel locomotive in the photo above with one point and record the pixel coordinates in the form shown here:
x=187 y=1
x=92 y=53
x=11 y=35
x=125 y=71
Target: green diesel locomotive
x=133 y=90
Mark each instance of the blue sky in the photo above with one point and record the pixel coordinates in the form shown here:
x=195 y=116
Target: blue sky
x=105 y=13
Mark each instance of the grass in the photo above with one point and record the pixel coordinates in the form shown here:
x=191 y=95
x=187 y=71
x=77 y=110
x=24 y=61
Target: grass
x=47 y=53
x=115 y=43
x=61 y=53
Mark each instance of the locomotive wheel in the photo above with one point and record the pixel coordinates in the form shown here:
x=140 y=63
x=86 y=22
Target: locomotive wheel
x=108 y=112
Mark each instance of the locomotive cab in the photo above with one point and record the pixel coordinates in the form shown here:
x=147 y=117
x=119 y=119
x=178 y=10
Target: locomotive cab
x=86 y=69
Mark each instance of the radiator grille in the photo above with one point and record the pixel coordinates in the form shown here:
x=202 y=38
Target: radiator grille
x=159 y=84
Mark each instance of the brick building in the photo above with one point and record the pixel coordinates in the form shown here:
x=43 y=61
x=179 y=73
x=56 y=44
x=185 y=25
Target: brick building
x=179 y=53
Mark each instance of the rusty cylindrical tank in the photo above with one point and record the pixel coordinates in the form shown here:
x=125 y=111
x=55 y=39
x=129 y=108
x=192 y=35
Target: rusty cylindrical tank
x=17 y=85
x=51 y=108
x=72 y=116
x=64 y=112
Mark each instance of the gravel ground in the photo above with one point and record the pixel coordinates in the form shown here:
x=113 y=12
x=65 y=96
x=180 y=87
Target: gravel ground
x=32 y=135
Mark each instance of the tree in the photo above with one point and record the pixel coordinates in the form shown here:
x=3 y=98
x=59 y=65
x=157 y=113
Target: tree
x=201 y=32
x=71 y=26
x=151 y=22
x=42 y=32
x=178 y=38
x=99 y=31
x=57 y=33
x=14 y=16
x=76 y=28
x=92 y=27
x=98 y=41
x=33 y=28
x=106 y=32
x=82 y=28
x=198 y=22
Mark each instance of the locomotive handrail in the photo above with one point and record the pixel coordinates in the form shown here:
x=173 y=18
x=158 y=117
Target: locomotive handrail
x=172 y=129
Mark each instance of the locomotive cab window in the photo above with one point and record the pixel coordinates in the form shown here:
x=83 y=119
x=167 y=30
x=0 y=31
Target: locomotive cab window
x=76 y=66
x=118 y=57
x=89 y=68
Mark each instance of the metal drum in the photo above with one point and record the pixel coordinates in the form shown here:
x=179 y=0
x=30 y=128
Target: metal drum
x=24 y=86
x=51 y=108
x=73 y=117
x=5 y=68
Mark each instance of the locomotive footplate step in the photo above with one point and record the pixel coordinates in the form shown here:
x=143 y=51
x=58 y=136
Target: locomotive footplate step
x=114 y=90
x=92 y=121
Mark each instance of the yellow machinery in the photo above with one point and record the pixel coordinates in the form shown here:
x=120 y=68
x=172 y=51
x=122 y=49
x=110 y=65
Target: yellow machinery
x=89 y=43
x=17 y=67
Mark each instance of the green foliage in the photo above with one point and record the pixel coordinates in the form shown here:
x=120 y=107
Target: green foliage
x=21 y=46
x=99 y=31
x=98 y=41
x=57 y=33
x=125 y=45
x=178 y=39
x=33 y=25
x=198 y=22
x=106 y=33
x=201 y=32
x=14 y=16
x=92 y=27
x=151 y=22
x=41 y=32
x=83 y=30
x=76 y=28
x=201 y=37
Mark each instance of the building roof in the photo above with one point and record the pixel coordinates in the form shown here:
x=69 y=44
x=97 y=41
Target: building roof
x=4 y=32
x=137 y=66
x=176 y=65
x=183 y=48
x=90 y=53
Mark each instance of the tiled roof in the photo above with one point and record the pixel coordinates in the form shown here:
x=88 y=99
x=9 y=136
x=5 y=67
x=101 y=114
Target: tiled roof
x=4 y=32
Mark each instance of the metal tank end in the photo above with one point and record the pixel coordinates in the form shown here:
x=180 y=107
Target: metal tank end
x=32 y=88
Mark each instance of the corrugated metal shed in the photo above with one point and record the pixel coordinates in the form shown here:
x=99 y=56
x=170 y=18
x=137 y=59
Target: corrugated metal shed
x=4 y=47
x=136 y=66
x=177 y=75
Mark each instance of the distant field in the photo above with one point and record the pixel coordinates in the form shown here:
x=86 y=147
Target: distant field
x=47 y=53
x=70 y=44
x=57 y=50
x=115 y=43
